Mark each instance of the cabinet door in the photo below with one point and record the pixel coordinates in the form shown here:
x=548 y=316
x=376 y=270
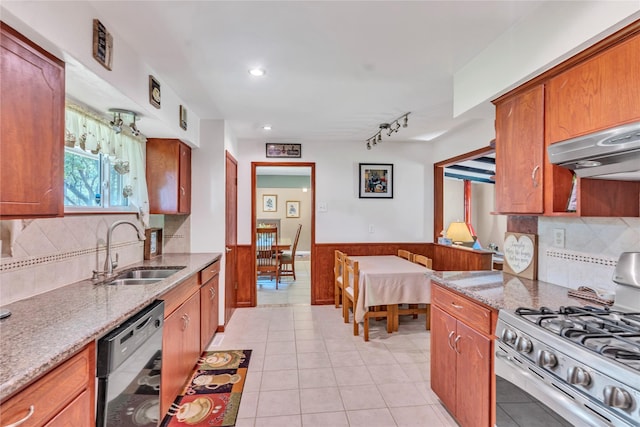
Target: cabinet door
x=209 y=311
x=473 y=377
x=180 y=349
x=75 y=414
x=32 y=129
x=520 y=153
x=599 y=93
x=168 y=176
x=443 y=357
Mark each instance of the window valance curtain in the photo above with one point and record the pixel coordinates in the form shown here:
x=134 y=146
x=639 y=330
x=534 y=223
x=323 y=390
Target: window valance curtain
x=87 y=131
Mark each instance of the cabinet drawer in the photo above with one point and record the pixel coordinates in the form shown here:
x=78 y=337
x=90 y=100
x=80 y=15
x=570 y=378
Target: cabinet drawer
x=53 y=392
x=209 y=272
x=176 y=296
x=462 y=308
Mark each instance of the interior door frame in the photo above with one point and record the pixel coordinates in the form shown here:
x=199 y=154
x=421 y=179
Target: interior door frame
x=254 y=166
x=438 y=184
x=231 y=237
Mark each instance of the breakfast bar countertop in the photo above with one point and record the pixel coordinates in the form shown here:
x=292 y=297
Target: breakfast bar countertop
x=48 y=328
x=504 y=291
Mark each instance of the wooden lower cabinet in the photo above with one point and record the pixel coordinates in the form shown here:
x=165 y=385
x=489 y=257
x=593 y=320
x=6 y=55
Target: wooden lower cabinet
x=462 y=359
x=209 y=303
x=65 y=396
x=180 y=349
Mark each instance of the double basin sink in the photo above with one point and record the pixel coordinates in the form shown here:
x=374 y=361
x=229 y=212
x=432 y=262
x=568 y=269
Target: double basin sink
x=143 y=275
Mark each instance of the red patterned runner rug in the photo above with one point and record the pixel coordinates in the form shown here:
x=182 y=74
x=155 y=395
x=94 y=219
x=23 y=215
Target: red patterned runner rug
x=212 y=396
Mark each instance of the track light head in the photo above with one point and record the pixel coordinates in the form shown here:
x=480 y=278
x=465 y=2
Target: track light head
x=368 y=146
x=406 y=121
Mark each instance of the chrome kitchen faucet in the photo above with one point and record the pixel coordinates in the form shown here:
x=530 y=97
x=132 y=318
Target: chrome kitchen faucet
x=109 y=264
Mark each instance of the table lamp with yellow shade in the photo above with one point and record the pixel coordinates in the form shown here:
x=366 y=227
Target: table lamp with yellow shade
x=459 y=233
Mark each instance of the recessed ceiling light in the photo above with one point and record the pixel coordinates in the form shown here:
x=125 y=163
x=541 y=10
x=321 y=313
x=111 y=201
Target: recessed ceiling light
x=266 y=127
x=257 y=72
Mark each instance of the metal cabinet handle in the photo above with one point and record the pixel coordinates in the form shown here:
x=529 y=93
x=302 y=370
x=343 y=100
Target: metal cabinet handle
x=32 y=409
x=185 y=321
x=227 y=249
x=182 y=190
x=454 y=305
x=533 y=176
x=455 y=343
x=213 y=292
x=449 y=340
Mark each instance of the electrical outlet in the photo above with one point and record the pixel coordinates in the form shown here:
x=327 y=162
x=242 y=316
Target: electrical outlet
x=371 y=228
x=558 y=237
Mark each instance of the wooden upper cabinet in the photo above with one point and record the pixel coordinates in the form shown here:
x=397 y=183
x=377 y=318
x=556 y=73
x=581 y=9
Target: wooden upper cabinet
x=168 y=176
x=520 y=152
x=31 y=129
x=599 y=93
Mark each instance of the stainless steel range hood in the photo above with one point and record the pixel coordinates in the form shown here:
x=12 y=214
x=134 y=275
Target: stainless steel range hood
x=609 y=154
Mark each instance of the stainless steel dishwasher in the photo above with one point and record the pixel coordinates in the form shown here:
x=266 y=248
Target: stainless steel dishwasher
x=128 y=371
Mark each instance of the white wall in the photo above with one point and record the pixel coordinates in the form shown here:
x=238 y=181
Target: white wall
x=65 y=29
x=529 y=49
x=405 y=218
x=289 y=226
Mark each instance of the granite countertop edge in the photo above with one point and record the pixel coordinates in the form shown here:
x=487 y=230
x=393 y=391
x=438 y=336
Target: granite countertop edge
x=46 y=329
x=503 y=291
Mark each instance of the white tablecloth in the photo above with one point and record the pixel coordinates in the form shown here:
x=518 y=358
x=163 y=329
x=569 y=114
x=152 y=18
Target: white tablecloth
x=389 y=279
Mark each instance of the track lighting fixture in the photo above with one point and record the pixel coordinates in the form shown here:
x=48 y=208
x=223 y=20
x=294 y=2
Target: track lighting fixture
x=117 y=122
x=390 y=128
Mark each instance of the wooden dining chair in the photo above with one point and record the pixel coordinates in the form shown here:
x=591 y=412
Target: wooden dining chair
x=415 y=308
x=288 y=259
x=423 y=260
x=351 y=284
x=405 y=254
x=338 y=274
x=267 y=257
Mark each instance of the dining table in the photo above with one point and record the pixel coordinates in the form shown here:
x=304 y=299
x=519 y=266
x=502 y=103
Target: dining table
x=390 y=280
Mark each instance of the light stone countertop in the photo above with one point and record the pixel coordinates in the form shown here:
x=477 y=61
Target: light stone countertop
x=504 y=291
x=46 y=329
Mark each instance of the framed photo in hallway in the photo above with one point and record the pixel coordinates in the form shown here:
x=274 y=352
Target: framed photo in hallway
x=293 y=209
x=269 y=203
x=376 y=181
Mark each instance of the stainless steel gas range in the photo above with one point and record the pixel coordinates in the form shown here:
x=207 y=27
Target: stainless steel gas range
x=581 y=362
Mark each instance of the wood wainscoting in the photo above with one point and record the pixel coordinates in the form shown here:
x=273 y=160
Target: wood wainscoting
x=445 y=258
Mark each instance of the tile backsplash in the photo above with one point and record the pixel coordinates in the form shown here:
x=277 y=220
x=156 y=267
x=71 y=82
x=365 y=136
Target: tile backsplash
x=52 y=252
x=591 y=250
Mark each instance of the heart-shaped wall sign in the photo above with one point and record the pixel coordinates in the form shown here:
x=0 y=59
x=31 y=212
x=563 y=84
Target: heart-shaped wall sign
x=518 y=252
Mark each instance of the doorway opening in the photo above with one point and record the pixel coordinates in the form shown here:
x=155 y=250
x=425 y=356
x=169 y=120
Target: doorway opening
x=283 y=197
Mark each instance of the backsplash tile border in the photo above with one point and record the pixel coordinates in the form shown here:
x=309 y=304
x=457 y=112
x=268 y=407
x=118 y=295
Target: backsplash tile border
x=572 y=256
x=14 y=265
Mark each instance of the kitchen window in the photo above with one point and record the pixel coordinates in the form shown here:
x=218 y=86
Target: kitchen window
x=90 y=180
x=104 y=169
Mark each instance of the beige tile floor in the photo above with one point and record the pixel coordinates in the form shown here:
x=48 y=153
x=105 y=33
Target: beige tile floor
x=307 y=368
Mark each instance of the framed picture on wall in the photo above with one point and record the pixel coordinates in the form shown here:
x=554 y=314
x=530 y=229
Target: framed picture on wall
x=376 y=181
x=293 y=209
x=269 y=203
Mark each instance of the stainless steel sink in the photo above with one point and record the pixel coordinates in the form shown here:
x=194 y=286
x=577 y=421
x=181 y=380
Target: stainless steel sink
x=143 y=275
x=133 y=281
x=148 y=273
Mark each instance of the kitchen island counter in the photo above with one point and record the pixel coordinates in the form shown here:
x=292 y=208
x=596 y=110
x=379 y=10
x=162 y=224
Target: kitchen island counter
x=46 y=329
x=504 y=291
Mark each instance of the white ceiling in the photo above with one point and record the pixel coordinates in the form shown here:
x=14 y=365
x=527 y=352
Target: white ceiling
x=335 y=69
